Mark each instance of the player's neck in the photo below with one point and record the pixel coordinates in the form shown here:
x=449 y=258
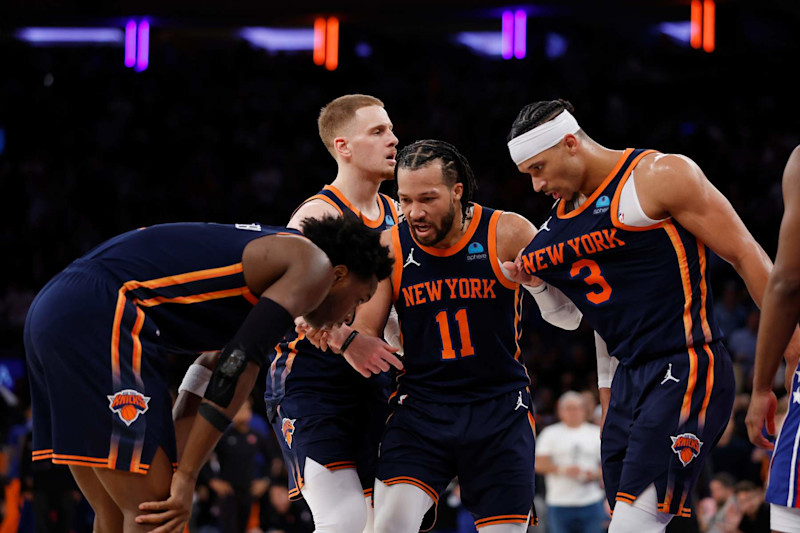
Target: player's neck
x=359 y=189
x=457 y=230
x=600 y=162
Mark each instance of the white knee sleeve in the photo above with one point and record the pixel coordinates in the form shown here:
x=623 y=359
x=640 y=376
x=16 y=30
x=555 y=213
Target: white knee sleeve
x=336 y=499
x=370 y=527
x=400 y=508
x=784 y=519
x=640 y=517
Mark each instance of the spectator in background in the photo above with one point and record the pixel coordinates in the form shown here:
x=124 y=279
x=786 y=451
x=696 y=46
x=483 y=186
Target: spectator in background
x=282 y=515
x=729 y=311
x=742 y=344
x=719 y=512
x=754 y=510
x=568 y=455
x=242 y=479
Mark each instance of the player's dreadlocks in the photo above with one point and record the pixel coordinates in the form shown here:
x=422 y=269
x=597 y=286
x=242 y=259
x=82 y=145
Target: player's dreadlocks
x=455 y=167
x=537 y=113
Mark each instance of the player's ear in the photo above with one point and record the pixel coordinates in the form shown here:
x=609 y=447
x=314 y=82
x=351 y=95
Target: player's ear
x=342 y=147
x=458 y=190
x=340 y=273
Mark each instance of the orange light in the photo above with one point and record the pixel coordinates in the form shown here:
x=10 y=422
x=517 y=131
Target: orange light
x=332 y=47
x=319 y=41
x=697 y=24
x=709 y=14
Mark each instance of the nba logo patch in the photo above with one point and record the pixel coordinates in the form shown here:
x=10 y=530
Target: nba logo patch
x=128 y=404
x=686 y=446
x=287 y=428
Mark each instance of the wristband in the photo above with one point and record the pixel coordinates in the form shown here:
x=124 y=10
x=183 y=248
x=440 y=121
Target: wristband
x=214 y=416
x=347 y=342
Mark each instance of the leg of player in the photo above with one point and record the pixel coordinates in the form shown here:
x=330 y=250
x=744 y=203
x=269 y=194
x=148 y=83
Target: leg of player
x=370 y=526
x=128 y=490
x=399 y=508
x=107 y=516
x=336 y=499
x=506 y=528
x=641 y=517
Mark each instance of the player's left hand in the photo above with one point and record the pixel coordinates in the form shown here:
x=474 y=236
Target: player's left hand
x=517 y=273
x=761 y=411
x=172 y=514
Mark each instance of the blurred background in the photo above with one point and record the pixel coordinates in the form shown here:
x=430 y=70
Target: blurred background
x=119 y=114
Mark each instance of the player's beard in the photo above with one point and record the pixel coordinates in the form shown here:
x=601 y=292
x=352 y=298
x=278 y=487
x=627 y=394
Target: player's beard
x=441 y=231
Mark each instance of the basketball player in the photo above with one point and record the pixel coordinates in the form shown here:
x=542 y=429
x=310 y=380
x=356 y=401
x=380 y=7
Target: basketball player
x=628 y=241
x=779 y=316
x=462 y=405
x=330 y=416
x=97 y=334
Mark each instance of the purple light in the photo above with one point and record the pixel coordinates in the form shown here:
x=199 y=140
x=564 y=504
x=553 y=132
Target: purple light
x=520 y=33
x=486 y=43
x=69 y=35
x=508 y=35
x=130 y=44
x=143 y=53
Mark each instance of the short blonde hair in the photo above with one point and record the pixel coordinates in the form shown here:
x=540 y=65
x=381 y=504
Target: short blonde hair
x=335 y=116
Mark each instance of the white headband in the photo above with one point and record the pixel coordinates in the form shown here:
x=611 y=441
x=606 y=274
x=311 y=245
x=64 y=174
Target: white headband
x=534 y=142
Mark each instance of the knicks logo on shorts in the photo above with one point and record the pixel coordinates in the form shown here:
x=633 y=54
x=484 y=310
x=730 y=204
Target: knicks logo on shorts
x=128 y=404
x=687 y=446
x=288 y=430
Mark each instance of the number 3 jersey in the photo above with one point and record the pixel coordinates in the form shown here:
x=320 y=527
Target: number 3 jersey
x=645 y=290
x=459 y=316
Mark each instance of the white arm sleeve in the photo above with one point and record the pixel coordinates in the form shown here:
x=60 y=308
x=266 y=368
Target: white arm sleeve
x=555 y=307
x=391 y=333
x=606 y=365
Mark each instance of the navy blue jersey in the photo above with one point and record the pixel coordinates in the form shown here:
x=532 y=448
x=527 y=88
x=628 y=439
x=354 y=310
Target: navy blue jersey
x=187 y=277
x=297 y=366
x=459 y=316
x=645 y=290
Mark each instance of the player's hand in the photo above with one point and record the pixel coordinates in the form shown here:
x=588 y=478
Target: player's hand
x=761 y=411
x=517 y=273
x=301 y=327
x=371 y=355
x=172 y=514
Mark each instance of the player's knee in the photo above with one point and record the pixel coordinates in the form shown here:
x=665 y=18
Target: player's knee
x=399 y=508
x=633 y=519
x=347 y=516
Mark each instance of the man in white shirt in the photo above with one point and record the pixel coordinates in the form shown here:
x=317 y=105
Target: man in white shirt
x=568 y=455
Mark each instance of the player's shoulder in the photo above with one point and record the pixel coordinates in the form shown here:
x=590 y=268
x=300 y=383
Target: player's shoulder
x=659 y=165
x=312 y=208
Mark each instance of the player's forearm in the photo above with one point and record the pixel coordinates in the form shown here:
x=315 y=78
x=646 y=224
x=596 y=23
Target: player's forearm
x=204 y=436
x=779 y=316
x=754 y=267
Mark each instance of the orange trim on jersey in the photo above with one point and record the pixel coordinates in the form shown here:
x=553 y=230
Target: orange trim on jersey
x=686 y=407
x=136 y=456
x=188 y=277
x=413 y=481
x=137 y=347
x=532 y=422
x=368 y=222
x=115 y=333
x=392 y=207
x=683 y=265
x=709 y=386
x=477 y=210
x=560 y=211
x=501 y=519
x=613 y=212
x=340 y=465
x=250 y=297
x=397 y=269
x=324 y=199
x=113 y=450
x=367 y=492
x=701 y=254
x=42 y=452
x=493 y=258
x=517 y=330
x=625 y=497
x=195 y=298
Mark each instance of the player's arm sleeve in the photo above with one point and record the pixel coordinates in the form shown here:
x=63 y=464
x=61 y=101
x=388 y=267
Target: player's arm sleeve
x=391 y=332
x=606 y=365
x=553 y=304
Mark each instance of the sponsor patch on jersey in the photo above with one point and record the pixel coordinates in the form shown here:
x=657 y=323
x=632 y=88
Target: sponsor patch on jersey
x=128 y=404
x=287 y=428
x=686 y=446
x=476 y=251
x=389 y=220
x=602 y=205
